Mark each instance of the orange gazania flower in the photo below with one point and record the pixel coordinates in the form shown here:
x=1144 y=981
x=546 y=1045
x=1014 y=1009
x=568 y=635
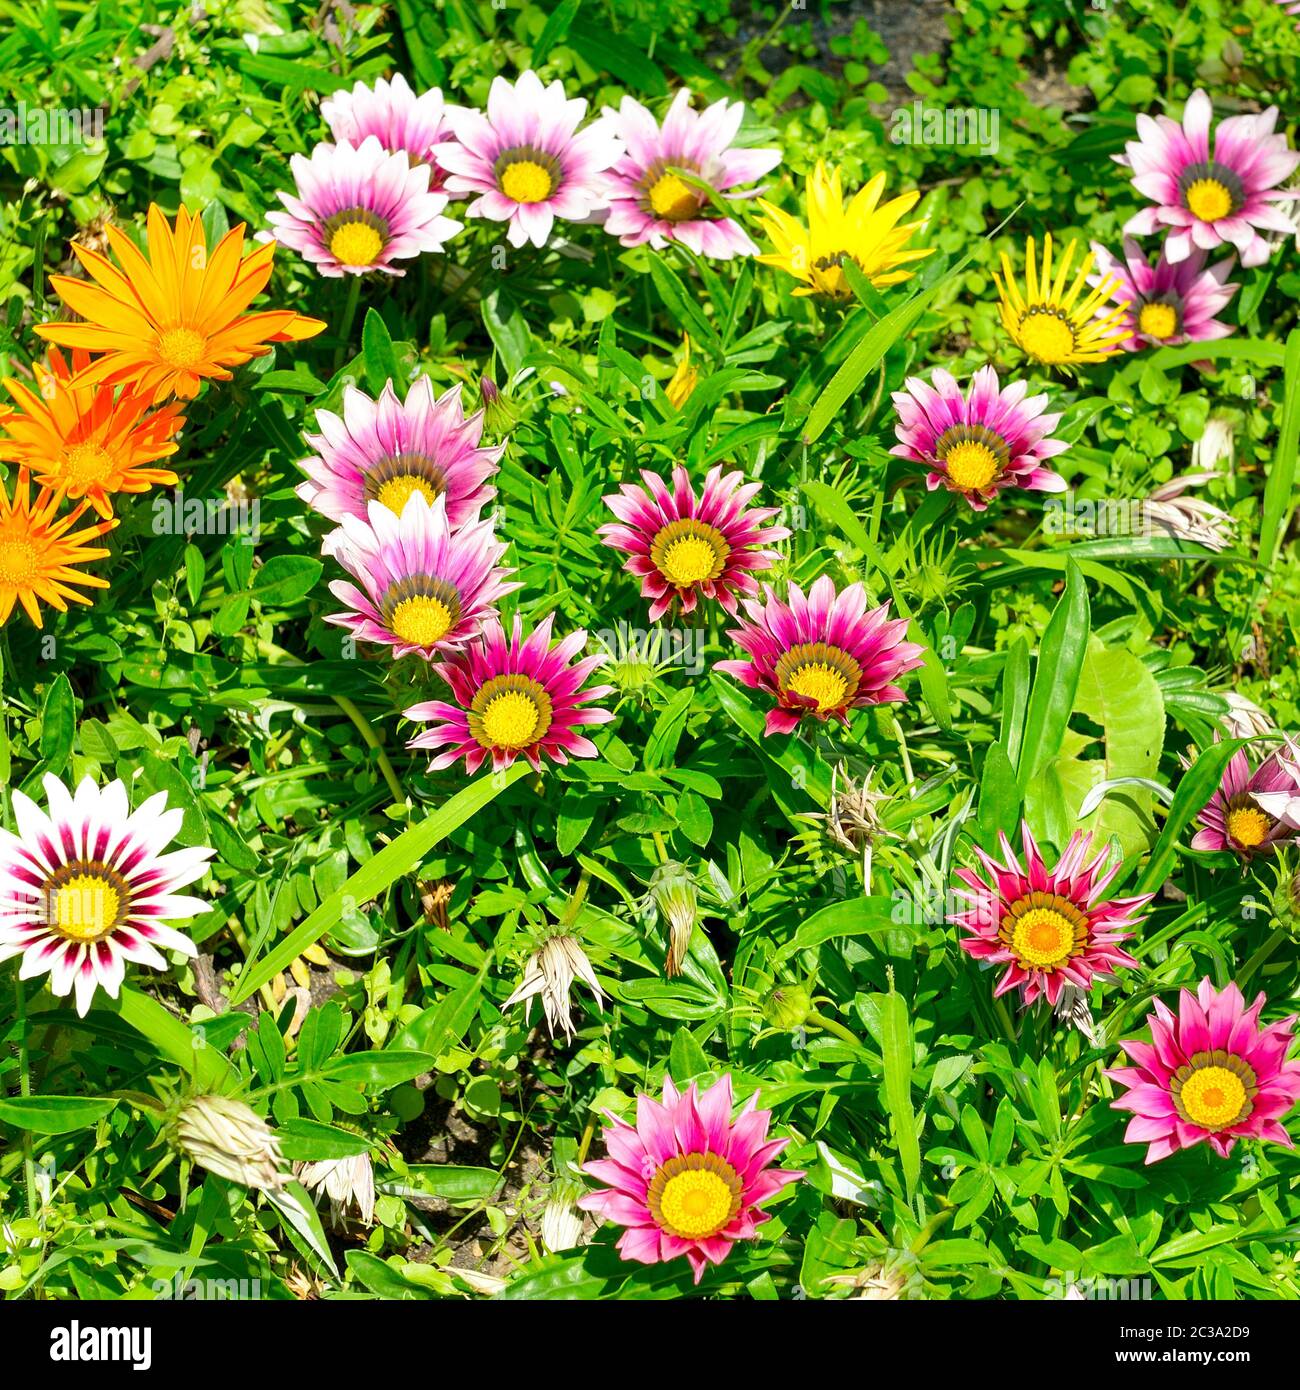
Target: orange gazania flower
x=166 y=322
x=87 y=441
x=38 y=555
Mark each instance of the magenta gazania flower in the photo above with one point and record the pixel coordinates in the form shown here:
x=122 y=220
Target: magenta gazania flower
x=650 y=200
x=1209 y=199
x=395 y=116
x=687 y=1180
x=1234 y=817
x=88 y=884
x=526 y=161
x=981 y=443
x=821 y=655
x=384 y=450
x=684 y=547
x=1167 y=303
x=1050 y=927
x=359 y=208
x=1211 y=1074
x=513 y=697
x=423 y=587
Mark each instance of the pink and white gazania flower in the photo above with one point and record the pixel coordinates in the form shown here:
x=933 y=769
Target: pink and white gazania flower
x=513 y=697
x=385 y=450
x=1050 y=927
x=1207 y=199
x=525 y=161
x=683 y=547
x=981 y=443
x=86 y=886
x=395 y=116
x=1167 y=303
x=655 y=191
x=359 y=208
x=1209 y=1075
x=423 y=587
x=686 y=1179
x=822 y=655
x=1247 y=813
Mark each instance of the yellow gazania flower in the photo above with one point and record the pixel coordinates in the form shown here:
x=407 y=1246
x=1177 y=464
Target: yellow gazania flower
x=684 y=379
x=860 y=232
x=1052 y=325
x=166 y=322
x=38 y=555
x=87 y=441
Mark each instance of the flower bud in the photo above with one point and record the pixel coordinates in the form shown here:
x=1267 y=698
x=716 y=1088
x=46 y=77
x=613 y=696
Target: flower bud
x=224 y=1136
x=787 y=1007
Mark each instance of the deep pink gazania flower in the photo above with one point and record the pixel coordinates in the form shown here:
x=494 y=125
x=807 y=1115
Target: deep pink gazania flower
x=1211 y=1075
x=684 y=547
x=526 y=162
x=1234 y=817
x=821 y=655
x=513 y=697
x=359 y=209
x=88 y=884
x=654 y=190
x=1205 y=198
x=980 y=443
x=384 y=450
x=686 y=1179
x=395 y=116
x=1050 y=927
x=1168 y=303
x=422 y=586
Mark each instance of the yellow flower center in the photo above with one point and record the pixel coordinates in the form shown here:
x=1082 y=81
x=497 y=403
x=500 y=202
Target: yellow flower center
x=1213 y=1097
x=688 y=561
x=696 y=1203
x=673 y=199
x=183 y=348
x=86 y=464
x=510 y=720
x=356 y=243
x=421 y=620
x=1158 y=320
x=1043 y=938
x=1209 y=200
x=822 y=683
x=1248 y=825
x=971 y=466
x=395 y=492
x=84 y=908
x=526 y=182
x=1046 y=336
x=19 y=563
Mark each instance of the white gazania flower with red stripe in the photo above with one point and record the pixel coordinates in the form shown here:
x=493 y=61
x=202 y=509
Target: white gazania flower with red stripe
x=1049 y=927
x=87 y=885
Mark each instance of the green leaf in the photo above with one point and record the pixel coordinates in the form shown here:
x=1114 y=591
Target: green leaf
x=1279 y=491
x=58 y=725
x=382 y=1069
x=284 y=579
x=309 y=1141
x=54 y=1114
x=176 y=1041
x=893 y=1031
x=1056 y=677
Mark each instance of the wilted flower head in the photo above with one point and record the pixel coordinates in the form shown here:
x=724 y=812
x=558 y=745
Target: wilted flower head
x=550 y=972
x=346 y=1182
x=677 y=899
x=561 y=1224
x=1215 y=446
x=1244 y=718
x=226 y=1137
x=1189 y=518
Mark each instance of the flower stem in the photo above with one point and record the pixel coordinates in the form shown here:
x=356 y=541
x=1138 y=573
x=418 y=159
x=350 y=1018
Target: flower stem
x=349 y=317
x=25 y=1089
x=830 y=1025
x=371 y=739
x=1271 y=943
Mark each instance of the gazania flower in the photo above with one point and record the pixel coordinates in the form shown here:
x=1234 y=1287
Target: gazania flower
x=863 y=232
x=424 y=588
x=684 y=547
x=526 y=162
x=229 y=1138
x=1234 y=818
x=1169 y=509
x=550 y=973
x=40 y=552
x=88 y=441
x=1208 y=199
x=686 y=1179
x=821 y=655
x=982 y=443
x=165 y=322
x=1210 y=1074
x=359 y=208
x=1049 y=322
x=384 y=450
x=665 y=185
x=513 y=697
x=1050 y=927
x=685 y=377
x=1167 y=303
x=86 y=885
x=348 y=1185
x=395 y=116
